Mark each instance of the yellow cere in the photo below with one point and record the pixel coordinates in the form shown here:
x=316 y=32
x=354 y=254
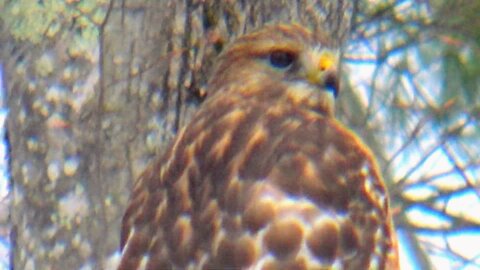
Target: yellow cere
x=326 y=60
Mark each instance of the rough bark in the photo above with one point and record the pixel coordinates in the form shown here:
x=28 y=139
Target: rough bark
x=87 y=116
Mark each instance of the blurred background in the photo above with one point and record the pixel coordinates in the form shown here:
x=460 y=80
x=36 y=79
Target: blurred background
x=414 y=71
x=410 y=88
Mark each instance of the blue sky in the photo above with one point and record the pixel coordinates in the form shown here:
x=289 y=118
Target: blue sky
x=4 y=241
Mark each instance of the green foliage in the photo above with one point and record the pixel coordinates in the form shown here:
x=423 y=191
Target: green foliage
x=458 y=41
x=34 y=20
x=461 y=73
x=458 y=18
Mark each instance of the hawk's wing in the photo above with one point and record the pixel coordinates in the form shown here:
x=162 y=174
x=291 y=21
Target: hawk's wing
x=255 y=184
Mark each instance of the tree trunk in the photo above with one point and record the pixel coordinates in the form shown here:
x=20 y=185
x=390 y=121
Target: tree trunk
x=94 y=92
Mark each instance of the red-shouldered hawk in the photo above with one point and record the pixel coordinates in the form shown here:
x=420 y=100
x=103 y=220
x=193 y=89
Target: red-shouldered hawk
x=263 y=177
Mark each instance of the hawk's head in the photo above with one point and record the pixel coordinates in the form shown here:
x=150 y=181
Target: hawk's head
x=281 y=61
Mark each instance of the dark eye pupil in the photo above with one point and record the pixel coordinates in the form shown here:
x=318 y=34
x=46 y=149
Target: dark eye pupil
x=281 y=59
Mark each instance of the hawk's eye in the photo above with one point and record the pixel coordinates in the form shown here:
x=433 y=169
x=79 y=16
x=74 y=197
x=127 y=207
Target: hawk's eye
x=282 y=59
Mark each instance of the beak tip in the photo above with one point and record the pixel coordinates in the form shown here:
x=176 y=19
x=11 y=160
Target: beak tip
x=331 y=83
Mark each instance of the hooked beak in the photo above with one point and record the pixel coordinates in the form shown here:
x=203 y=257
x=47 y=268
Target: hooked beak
x=321 y=70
